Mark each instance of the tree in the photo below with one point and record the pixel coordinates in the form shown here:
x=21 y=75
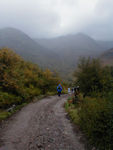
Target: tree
x=92 y=77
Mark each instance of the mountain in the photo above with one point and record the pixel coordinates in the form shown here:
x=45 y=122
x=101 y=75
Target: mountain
x=59 y=54
x=105 y=44
x=79 y=44
x=71 y=47
x=27 y=47
x=107 y=57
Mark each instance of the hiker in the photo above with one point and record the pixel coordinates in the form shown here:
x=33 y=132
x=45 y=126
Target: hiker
x=59 y=89
x=76 y=93
x=76 y=90
x=72 y=90
x=69 y=90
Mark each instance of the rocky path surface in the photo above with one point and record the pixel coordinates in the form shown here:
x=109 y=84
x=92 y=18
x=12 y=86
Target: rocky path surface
x=40 y=126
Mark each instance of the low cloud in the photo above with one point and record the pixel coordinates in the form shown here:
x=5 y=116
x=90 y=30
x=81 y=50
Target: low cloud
x=50 y=18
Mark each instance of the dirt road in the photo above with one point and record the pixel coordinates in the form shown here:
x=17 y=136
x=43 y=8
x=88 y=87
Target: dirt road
x=40 y=126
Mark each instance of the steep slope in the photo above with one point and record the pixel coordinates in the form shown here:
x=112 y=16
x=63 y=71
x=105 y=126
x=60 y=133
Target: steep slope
x=26 y=47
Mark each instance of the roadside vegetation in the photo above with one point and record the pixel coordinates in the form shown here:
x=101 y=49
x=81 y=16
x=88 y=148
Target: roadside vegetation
x=21 y=81
x=94 y=111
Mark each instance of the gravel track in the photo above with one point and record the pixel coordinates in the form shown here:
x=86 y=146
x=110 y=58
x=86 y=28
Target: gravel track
x=40 y=126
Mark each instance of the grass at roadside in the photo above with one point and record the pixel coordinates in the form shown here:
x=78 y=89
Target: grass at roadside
x=94 y=116
x=72 y=110
x=4 y=114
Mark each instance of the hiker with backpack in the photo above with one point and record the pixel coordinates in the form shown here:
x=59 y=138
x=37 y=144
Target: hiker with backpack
x=76 y=93
x=59 y=89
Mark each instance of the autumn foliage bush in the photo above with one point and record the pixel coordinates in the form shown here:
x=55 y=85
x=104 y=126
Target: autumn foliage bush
x=20 y=81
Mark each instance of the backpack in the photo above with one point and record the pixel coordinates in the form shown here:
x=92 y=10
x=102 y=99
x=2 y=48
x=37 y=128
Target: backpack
x=59 y=87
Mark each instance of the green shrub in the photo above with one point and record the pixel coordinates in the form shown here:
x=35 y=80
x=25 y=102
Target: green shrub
x=31 y=92
x=4 y=115
x=72 y=111
x=96 y=120
x=92 y=77
x=20 y=81
x=7 y=99
x=74 y=115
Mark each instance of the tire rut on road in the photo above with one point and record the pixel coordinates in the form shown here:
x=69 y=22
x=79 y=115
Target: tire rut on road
x=40 y=126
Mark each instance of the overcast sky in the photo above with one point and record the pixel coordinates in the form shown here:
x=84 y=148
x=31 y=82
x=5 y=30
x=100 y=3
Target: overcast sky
x=51 y=18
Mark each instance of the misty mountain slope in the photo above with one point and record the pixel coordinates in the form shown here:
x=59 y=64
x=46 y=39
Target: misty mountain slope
x=70 y=48
x=79 y=44
x=60 y=54
x=16 y=39
x=27 y=47
x=107 y=57
x=106 y=44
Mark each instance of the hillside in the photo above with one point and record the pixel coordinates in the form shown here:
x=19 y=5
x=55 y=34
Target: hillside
x=71 y=47
x=26 y=47
x=105 y=44
x=79 y=44
x=107 y=57
x=59 y=54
